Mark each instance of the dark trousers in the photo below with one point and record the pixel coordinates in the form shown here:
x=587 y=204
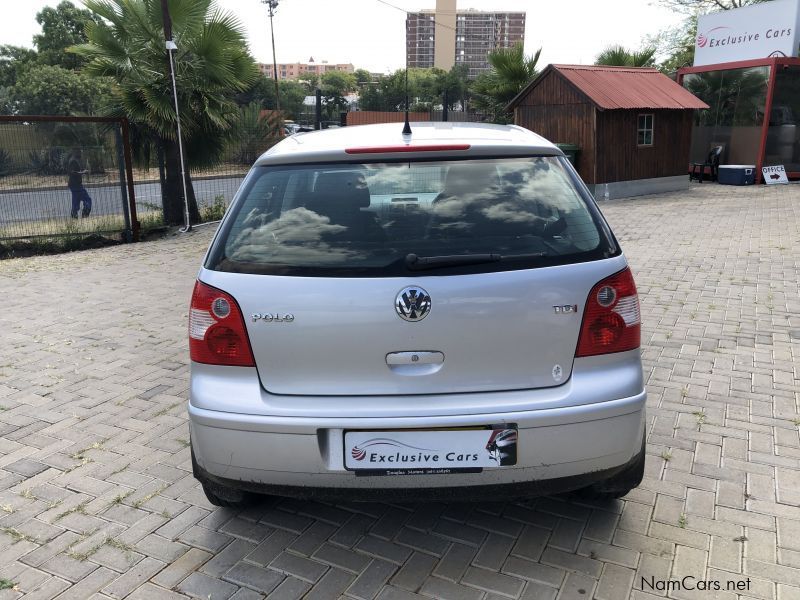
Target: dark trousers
x=80 y=195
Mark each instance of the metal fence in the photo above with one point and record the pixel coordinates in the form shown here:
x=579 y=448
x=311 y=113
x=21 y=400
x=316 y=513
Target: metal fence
x=65 y=176
x=74 y=176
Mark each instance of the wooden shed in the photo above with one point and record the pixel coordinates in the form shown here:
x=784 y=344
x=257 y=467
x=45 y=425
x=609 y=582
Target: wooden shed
x=633 y=126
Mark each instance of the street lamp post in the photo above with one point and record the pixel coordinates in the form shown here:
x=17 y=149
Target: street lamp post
x=271 y=6
x=171 y=46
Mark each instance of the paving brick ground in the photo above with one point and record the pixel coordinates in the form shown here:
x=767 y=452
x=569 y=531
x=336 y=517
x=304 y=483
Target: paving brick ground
x=97 y=500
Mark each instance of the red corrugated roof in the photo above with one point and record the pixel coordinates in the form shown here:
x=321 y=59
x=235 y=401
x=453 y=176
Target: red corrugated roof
x=622 y=87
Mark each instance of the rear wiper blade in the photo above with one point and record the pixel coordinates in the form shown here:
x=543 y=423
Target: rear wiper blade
x=422 y=263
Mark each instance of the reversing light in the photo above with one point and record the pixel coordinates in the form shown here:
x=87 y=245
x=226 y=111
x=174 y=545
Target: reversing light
x=611 y=319
x=217 y=334
x=606 y=296
x=221 y=308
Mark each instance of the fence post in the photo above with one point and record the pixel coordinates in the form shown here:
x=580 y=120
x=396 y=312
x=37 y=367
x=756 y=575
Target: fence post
x=128 y=233
x=444 y=107
x=126 y=144
x=318 y=111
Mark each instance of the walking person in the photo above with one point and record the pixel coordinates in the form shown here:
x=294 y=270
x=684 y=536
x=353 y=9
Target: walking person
x=75 y=184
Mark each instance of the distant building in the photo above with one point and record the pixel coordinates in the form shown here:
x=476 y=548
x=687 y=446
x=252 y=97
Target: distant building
x=447 y=36
x=294 y=70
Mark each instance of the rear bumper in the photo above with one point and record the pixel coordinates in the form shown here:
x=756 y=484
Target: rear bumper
x=559 y=449
x=467 y=493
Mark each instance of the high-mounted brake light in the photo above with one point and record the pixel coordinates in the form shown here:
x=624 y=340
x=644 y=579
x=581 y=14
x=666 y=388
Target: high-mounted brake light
x=611 y=319
x=407 y=148
x=217 y=335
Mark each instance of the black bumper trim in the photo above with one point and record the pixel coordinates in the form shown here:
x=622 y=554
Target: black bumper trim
x=490 y=492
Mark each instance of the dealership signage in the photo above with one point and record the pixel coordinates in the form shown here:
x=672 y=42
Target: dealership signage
x=758 y=31
x=773 y=175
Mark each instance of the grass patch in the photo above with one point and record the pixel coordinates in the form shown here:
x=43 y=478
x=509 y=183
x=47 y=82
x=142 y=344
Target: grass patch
x=700 y=416
x=53 y=236
x=666 y=455
x=164 y=411
x=83 y=462
x=17 y=535
x=79 y=455
x=80 y=509
x=7 y=584
x=145 y=499
x=121 y=497
x=682 y=521
x=114 y=543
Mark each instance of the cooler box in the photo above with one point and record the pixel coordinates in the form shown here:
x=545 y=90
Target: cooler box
x=736 y=174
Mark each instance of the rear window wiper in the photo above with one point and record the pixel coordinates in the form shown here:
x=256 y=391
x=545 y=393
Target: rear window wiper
x=422 y=263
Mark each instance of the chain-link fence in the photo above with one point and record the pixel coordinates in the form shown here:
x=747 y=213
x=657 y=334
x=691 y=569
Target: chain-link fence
x=64 y=177
x=74 y=176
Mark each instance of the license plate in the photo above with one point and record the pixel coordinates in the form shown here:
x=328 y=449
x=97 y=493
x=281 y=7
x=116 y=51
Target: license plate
x=430 y=451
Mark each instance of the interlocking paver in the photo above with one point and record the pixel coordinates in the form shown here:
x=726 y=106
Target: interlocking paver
x=97 y=498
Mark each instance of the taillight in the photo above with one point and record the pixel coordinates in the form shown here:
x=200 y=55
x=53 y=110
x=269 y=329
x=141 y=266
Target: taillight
x=217 y=335
x=611 y=319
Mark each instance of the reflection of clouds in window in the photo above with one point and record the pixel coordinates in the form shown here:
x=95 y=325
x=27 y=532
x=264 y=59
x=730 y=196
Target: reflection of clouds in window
x=294 y=238
x=509 y=212
x=402 y=179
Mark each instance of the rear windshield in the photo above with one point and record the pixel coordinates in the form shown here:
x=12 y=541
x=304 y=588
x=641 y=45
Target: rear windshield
x=409 y=218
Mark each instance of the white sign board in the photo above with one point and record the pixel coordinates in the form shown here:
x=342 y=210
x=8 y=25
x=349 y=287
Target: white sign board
x=773 y=175
x=749 y=32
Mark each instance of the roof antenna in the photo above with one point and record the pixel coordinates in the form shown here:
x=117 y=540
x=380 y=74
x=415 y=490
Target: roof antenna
x=407 y=126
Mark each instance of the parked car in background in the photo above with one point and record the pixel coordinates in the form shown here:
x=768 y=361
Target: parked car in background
x=445 y=314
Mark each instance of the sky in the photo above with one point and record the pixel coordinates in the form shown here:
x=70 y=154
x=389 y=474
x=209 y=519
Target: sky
x=371 y=35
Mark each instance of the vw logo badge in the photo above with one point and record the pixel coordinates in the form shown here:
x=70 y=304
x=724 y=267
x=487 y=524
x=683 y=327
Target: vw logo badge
x=412 y=303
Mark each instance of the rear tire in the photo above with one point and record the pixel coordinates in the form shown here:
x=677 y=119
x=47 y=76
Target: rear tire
x=227 y=497
x=620 y=484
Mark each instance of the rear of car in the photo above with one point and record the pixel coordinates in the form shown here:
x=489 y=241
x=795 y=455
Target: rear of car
x=445 y=313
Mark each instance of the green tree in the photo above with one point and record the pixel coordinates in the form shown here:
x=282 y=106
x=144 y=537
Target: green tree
x=363 y=76
x=212 y=64
x=618 y=56
x=335 y=85
x=253 y=133
x=262 y=92
x=510 y=72
x=704 y=6
x=62 y=27
x=455 y=82
x=677 y=43
x=13 y=61
x=292 y=95
x=50 y=90
x=309 y=79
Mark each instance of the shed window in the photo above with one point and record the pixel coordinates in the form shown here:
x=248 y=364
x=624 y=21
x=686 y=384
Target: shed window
x=644 y=134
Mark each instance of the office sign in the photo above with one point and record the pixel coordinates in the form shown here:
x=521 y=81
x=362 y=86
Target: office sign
x=773 y=175
x=756 y=31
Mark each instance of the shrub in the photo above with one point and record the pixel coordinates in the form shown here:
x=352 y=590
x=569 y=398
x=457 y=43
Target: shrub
x=214 y=211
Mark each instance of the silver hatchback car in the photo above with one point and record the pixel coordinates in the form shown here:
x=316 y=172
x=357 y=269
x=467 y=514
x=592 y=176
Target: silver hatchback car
x=443 y=314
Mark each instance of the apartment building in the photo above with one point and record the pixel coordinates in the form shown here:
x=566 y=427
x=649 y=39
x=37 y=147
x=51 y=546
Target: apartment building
x=447 y=36
x=294 y=70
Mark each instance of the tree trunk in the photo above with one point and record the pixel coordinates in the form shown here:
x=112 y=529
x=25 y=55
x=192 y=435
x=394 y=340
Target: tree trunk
x=172 y=189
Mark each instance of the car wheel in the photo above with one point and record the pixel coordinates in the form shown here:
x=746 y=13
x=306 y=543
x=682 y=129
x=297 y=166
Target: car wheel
x=227 y=497
x=620 y=484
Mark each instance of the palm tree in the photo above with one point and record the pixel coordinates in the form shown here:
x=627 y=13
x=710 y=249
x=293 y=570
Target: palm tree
x=212 y=65
x=618 y=56
x=510 y=72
